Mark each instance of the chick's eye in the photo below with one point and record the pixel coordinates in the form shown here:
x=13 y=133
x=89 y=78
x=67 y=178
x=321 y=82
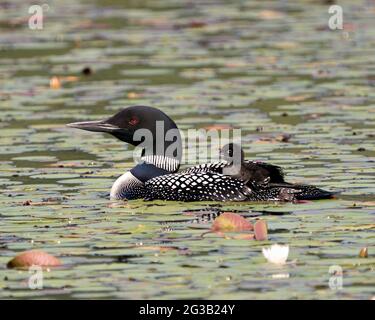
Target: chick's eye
x=133 y=121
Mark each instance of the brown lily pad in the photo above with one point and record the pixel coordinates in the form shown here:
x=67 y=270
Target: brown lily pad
x=231 y=222
x=55 y=83
x=260 y=230
x=363 y=253
x=244 y=236
x=32 y=258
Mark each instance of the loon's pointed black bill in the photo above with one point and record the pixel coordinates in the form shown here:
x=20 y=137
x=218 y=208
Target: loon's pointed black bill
x=96 y=126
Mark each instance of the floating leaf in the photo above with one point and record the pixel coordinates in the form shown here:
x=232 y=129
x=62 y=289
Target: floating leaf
x=298 y=98
x=157 y=248
x=353 y=228
x=367 y=203
x=244 y=236
x=33 y=257
x=40 y=203
x=55 y=83
x=69 y=79
x=363 y=253
x=260 y=230
x=231 y=222
x=270 y=14
x=133 y=95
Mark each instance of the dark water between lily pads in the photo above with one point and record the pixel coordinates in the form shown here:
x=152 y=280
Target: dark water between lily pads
x=269 y=68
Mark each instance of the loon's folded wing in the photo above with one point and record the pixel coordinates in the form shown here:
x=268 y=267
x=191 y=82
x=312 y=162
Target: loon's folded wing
x=261 y=170
x=197 y=186
x=206 y=167
x=211 y=186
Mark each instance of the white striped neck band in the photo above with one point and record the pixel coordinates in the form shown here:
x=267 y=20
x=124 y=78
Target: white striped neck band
x=162 y=162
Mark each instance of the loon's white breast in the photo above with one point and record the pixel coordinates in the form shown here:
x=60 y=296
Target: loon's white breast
x=126 y=187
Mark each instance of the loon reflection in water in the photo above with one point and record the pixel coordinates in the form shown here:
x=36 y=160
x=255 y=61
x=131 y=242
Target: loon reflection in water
x=157 y=176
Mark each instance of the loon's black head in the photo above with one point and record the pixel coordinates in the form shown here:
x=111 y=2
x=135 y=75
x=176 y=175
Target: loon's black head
x=142 y=126
x=232 y=153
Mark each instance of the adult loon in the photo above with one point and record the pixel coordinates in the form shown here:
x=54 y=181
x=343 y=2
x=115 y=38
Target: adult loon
x=157 y=175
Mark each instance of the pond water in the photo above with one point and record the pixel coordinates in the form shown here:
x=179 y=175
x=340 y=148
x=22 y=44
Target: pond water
x=268 y=68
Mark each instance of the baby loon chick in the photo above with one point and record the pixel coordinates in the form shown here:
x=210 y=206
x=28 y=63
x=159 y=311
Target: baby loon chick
x=259 y=172
x=265 y=175
x=156 y=175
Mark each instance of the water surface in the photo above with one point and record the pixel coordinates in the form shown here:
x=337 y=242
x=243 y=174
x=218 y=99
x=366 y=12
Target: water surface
x=268 y=68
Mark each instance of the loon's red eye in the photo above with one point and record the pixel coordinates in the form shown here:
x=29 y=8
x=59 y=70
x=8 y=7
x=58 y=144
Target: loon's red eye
x=133 y=121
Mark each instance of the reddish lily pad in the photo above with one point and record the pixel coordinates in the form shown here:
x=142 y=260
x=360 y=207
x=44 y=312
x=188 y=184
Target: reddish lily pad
x=33 y=257
x=244 y=236
x=231 y=222
x=363 y=253
x=260 y=230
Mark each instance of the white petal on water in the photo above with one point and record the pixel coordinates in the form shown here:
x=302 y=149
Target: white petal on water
x=277 y=254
